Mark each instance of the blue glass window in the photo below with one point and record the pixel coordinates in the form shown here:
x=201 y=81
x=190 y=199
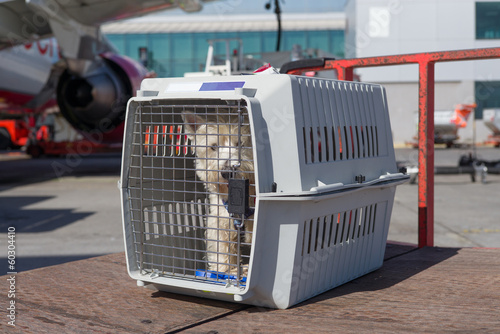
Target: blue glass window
x=133 y=43
x=487 y=20
x=487 y=94
x=173 y=54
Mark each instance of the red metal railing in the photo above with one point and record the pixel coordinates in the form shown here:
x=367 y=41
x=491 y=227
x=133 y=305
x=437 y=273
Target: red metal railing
x=425 y=61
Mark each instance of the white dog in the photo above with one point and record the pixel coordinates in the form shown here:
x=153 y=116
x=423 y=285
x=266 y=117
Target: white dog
x=219 y=142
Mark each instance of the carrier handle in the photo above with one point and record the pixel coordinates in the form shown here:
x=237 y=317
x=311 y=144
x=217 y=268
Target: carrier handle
x=304 y=64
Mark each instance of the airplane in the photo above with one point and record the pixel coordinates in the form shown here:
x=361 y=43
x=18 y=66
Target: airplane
x=55 y=48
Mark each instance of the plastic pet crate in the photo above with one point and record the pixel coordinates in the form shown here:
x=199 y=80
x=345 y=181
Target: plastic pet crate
x=259 y=189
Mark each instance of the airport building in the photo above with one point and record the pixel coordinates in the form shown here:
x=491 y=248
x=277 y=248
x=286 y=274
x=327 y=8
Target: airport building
x=178 y=44
x=387 y=27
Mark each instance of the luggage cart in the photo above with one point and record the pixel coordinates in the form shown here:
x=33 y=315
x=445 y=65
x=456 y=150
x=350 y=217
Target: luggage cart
x=311 y=213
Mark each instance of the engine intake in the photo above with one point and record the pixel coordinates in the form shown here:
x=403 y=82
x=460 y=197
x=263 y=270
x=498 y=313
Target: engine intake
x=96 y=101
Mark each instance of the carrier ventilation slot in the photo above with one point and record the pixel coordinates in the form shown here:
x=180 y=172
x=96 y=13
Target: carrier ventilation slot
x=338 y=228
x=165 y=140
x=338 y=126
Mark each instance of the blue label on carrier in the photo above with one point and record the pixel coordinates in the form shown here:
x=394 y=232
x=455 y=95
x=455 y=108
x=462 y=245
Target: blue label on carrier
x=217 y=275
x=231 y=85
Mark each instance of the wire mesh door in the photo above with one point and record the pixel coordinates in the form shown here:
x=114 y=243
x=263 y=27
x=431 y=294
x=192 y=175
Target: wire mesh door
x=192 y=189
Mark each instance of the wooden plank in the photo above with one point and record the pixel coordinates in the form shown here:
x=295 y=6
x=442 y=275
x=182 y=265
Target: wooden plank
x=430 y=290
x=394 y=249
x=97 y=295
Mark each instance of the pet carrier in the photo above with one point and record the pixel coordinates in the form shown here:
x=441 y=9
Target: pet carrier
x=260 y=189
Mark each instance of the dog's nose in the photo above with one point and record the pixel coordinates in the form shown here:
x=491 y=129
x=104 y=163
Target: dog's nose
x=226 y=173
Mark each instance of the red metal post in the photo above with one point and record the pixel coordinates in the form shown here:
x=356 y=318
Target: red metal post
x=426 y=154
x=344 y=73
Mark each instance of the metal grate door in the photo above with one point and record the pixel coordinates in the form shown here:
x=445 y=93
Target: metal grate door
x=184 y=157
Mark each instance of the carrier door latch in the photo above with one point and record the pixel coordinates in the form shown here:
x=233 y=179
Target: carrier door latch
x=360 y=178
x=237 y=201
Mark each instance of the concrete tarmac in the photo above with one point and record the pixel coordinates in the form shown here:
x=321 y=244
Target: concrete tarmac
x=65 y=209
x=466 y=213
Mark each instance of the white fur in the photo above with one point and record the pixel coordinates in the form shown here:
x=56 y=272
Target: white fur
x=216 y=144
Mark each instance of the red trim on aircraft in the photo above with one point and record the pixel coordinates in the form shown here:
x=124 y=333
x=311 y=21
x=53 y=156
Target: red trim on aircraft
x=43 y=46
x=13 y=98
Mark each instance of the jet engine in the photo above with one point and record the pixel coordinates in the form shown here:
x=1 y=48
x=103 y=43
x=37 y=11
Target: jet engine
x=95 y=103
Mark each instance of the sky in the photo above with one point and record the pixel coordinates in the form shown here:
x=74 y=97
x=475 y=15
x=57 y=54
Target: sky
x=228 y=7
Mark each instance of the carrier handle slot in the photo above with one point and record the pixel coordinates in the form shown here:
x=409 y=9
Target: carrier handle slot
x=304 y=64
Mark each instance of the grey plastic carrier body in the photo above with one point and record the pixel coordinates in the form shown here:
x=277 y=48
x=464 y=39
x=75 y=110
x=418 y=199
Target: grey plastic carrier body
x=323 y=184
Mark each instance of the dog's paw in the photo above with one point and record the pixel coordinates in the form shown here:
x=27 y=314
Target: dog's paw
x=243 y=271
x=220 y=268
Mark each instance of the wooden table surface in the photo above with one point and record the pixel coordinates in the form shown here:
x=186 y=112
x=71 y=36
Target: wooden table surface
x=428 y=290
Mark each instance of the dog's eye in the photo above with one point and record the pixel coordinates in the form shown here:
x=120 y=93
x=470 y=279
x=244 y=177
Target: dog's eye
x=213 y=147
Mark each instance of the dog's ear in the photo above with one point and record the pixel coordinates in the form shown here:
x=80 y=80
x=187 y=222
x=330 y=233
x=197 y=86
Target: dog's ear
x=192 y=121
